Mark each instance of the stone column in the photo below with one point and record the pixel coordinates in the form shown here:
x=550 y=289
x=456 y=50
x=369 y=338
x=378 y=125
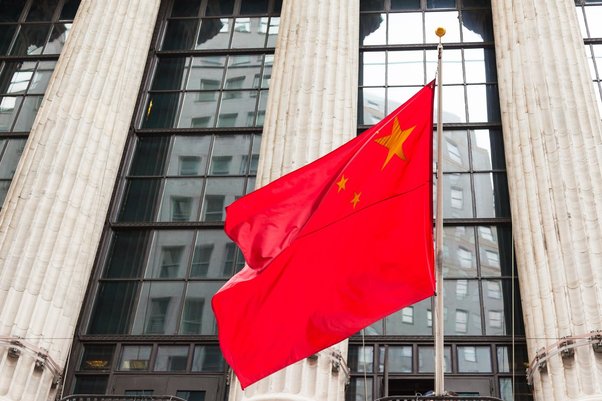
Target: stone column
x=54 y=212
x=311 y=110
x=553 y=142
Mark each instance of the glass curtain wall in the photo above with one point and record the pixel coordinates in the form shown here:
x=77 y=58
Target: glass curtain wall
x=193 y=149
x=589 y=14
x=484 y=335
x=32 y=35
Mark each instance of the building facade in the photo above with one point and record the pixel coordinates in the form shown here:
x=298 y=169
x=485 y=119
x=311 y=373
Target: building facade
x=119 y=156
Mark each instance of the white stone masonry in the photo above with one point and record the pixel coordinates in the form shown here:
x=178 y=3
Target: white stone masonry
x=311 y=110
x=54 y=212
x=553 y=143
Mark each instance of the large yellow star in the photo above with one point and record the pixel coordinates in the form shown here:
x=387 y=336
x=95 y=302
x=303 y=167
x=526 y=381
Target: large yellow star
x=394 y=142
x=356 y=199
x=342 y=182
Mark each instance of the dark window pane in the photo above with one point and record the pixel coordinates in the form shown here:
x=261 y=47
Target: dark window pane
x=405 y=4
x=127 y=254
x=42 y=10
x=476 y=3
x=10 y=151
x=248 y=7
x=373 y=5
x=277 y=6
x=191 y=395
x=30 y=40
x=6 y=36
x=69 y=10
x=4 y=185
x=114 y=305
x=150 y=156
x=185 y=8
x=373 y=29
x=10 y=10
x=179 y=35
x=58 y=37
x=90 y=384
x=219 y=7
x=477 y=26
x=440 y=3
x=161 y=110
x=208 y=358
x=170 y=73
x=140 y=199
x=361 y=359
x=97 y=357
x=357 y=389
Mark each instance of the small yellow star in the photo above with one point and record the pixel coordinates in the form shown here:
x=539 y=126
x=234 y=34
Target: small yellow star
x=394 y=142
x=356 y=199
x=342 y=182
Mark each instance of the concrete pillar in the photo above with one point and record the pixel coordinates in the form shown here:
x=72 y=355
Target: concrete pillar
x=55 y=209
x=553 y=142
x=311 y=110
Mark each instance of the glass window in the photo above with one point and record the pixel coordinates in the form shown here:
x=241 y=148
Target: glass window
x=361 y=359
x=126 y=254
x=170 y=254
x=474 y=359
x=373 y=29
x=171 y=358
x=111 y=297
x=179 y=35
x=404 y=67
x=135 y=357
x=464 y=308
x=359 y=389
x=400 y=359
x=161 y=110
x=30 y=39
x=90 y=384
x=493 y=198
x=28 y=112
x=191 y=395
x=140 y=200
x=405 y=28
x=97 y=357
x=487 y=150
x=208 y=358
x=158 y=308
x=426 y=359
x=197 y=317
x=210 y=255
x=10 y=153
x=181 y=199
x=214 y=33
x=412 y=320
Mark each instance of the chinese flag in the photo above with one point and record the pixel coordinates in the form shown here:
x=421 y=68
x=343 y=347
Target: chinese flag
x=331 y=247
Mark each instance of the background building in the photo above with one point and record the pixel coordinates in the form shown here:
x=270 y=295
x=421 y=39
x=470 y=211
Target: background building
x=124 y=151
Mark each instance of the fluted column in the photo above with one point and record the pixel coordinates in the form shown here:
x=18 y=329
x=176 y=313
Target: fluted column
x=311 y=110
x=55 y=209
x=553 y=142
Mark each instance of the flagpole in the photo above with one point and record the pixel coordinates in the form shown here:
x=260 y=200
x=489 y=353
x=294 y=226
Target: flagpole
x=438 y=318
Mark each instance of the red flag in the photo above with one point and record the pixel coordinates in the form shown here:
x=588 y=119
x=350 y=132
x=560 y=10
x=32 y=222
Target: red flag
x=331 y=247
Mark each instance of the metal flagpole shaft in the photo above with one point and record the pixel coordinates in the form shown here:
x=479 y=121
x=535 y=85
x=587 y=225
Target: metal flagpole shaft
x=438 y=319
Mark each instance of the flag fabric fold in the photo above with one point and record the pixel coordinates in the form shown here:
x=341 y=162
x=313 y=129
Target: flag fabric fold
x=331 y=247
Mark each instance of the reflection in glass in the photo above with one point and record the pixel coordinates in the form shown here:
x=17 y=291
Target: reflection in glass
x=198 y=110
x=405 y=5
x=189 y=156
x=30 y=40
x=493 y=199
x=15 y=77
x=197 y=317
x=9 y=106
x=58 y=37
x=158 y=307
x=250 y=32
x=242 y=72
x=593 y=15
x=206 y=73
x=171 y=358
x=11 y=150
x=4 y=185
x=452 y=65
x=373 y=29
x=497 y=301
x=397 y=96
x=219 y=194
x=361 y=359
x=41 y=77
x=410 y=320
x=179 y=35
x=504 y=358
x=214 y=33
x=234 y=105
x=185 y=8
x=170 y=254
x=459 y=252
x=457 y=198
x=449 y=19
x=480 y=65
x=487 y=150
x=373 y=105
x=356 y=390
x=441 y=4
x=406 y=28
x=454 y=106
x=219 y=7
x=477 y=26
x=495 y=245
x=373 y=68
x=134 y=357
x=426 y=359
x=405 y=67
x=463 y=308
x=474 y=359
x=181 y=199
x=400 y=359
x=27 y=114
x=208 y=358
x=483 y=103
x=209 y=256
x=6 y=36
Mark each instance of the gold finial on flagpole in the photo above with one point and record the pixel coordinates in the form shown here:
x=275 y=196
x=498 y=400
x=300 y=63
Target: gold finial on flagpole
x=440 y=31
